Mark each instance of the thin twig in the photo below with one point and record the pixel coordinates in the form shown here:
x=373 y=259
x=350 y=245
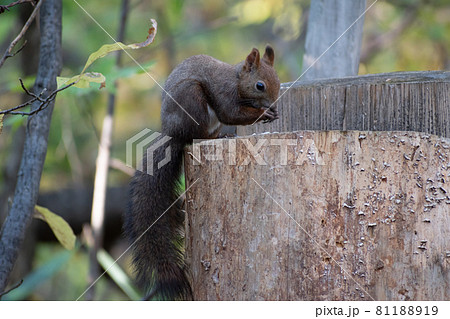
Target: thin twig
x=6 y=7
x=44 y=102
x=121 y=166
x=8 y=53
x=21 y=47
x=101 y=169
x=31 y=93
x=10 y=289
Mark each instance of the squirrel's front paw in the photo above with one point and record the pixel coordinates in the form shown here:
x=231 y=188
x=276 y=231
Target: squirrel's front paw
x=270 y=115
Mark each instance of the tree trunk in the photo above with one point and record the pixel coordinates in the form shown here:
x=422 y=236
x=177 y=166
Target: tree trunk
x=29 y=61
x=26 y=193
x=333 y=38
x=320 y=216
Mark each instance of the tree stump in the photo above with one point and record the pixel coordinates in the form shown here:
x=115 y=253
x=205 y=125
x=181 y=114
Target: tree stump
x=401 y=101
x=319 y=215
x=328 y=215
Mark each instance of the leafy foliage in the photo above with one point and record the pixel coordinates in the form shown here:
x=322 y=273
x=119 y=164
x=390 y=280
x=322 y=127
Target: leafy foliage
x=84 y=79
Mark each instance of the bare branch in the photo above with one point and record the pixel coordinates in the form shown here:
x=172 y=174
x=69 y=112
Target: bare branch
x=121 y=166
x=101 y=170
x=44 y=102
x=8 y=53
x=30 y=93
x=6 y=7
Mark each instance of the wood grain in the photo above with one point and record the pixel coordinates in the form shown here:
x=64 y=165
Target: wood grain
x=344 y=216
x=402 y=101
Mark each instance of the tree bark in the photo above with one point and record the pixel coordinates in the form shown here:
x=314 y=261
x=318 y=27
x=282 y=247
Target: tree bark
x=26 y=193
x=29 y=62
x=333 y=39
x=320 y=216
x=402 y=101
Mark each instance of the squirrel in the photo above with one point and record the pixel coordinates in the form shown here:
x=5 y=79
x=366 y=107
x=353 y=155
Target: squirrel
x=200 y=95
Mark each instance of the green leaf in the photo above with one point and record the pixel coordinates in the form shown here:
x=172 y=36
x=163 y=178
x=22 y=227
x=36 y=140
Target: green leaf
x=117 y=274
x=59 y=226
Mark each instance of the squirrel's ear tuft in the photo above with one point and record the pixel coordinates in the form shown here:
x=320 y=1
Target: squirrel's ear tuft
x=252 y=61
x=269 y=55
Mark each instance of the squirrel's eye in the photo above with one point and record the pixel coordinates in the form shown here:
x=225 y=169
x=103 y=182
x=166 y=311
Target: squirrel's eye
x=260 y=86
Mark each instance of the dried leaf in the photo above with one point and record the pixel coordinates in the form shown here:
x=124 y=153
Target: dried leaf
x=151 y=36
x=59 y=226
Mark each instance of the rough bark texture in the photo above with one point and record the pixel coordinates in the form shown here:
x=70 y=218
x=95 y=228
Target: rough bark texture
x=404 y=101
x=343 y=216
x=26 y=193
x=29 y=65
x=333 y=40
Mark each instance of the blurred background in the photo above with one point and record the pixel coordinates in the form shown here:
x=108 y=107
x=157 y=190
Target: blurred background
x=401 y=35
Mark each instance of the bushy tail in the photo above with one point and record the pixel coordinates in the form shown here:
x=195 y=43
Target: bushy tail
x=154 y=226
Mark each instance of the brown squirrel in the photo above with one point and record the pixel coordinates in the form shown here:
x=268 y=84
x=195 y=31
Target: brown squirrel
x=199 y=95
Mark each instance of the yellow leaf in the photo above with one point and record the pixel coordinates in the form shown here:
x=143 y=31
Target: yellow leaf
x=1 y=123
x=108 y=48
x=59 y=226
x=83 y=82
x=103 y=51
x=61 y=81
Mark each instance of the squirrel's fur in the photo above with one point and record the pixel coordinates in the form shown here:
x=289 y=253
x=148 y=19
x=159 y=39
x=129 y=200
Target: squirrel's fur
x=212 y=93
